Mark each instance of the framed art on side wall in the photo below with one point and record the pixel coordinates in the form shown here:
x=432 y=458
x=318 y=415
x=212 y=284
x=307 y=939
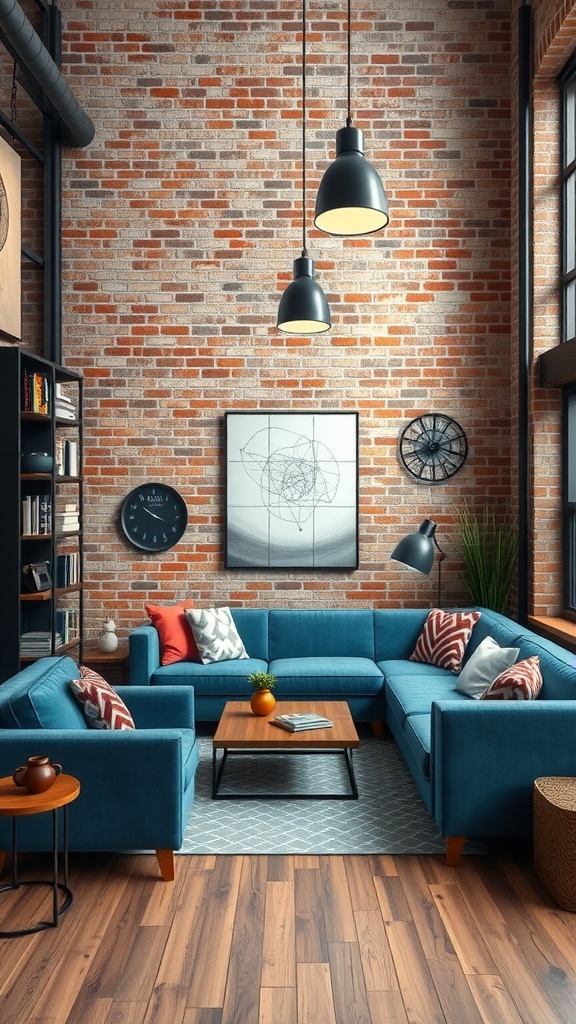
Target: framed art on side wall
x=10 y=242
x=291 y=490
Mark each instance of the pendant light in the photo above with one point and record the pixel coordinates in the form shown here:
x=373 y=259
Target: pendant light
x=303 y=308
x=351 y=198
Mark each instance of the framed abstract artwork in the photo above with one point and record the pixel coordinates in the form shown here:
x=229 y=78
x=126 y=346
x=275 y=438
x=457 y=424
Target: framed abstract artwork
x=10 y=242
x=291 y=490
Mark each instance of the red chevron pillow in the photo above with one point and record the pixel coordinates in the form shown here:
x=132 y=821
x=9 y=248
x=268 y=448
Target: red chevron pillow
x=522 y=681
x=444 y=638
x=102 y=707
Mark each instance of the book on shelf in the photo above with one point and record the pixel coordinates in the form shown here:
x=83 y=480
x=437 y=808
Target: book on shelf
x=66 y=457
x=68 y=569
x=36 y=515
x=36 y=643
x=35 y=392
x=302 y=720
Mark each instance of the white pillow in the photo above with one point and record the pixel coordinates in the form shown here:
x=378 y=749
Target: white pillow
x=484 y=665
x=216 y=636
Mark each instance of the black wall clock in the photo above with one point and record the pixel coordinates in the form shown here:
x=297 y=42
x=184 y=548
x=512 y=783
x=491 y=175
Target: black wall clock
x=154 y=517
x=433 y=447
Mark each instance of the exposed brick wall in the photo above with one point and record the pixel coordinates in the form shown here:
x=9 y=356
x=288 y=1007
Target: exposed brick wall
x=182 y=220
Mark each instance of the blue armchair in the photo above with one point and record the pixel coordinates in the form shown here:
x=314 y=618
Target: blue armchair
x=137 y=787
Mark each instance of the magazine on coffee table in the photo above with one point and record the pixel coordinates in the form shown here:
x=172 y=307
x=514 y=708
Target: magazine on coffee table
x=302 y=720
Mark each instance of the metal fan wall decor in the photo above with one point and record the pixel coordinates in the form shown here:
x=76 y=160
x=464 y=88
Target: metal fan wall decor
x=433 y=447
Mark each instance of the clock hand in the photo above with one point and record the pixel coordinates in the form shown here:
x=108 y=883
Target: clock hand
x=153 y=514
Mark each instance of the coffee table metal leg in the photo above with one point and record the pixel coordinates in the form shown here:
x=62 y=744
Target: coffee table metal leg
x=351 y=774
x=217 y=770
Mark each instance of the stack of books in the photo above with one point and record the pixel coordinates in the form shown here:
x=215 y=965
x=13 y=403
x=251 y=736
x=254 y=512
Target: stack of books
x=37 y=643
x=66 y=457
x=67 y=519
x=64 y=406
x=36 y=514
x=302 y=720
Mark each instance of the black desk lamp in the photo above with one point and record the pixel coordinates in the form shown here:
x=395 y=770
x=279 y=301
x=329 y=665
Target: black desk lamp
x=417 y=551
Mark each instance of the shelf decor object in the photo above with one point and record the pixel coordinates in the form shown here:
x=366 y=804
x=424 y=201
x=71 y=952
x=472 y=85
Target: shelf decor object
x=433 y=448
x=417 y=551
x=291 y=490
x=351 y=198
x=303 y=308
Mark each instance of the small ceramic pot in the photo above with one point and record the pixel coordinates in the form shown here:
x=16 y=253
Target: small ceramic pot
x=262 y=702
x=38 y=774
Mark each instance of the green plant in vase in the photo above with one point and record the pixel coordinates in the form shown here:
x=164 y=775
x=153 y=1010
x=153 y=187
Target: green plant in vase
x=489 y=550
x=263 y=700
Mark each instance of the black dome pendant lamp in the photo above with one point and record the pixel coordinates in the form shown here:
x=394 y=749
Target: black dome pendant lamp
x=303 y=308
x=351 y=198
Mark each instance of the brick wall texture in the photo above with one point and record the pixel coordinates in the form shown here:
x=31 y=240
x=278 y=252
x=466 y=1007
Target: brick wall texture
x=181 y=222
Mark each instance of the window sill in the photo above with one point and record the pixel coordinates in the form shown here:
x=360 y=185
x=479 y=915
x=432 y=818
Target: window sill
x=555 y=628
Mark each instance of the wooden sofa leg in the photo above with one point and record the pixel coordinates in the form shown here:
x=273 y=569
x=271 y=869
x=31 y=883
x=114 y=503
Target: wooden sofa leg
x=2 y=859
x=167 y=865
x=378 y=729
x=454 y=848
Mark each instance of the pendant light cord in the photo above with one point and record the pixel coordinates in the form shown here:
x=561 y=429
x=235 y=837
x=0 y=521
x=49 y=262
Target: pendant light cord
x=349 y=36
x=304 y=253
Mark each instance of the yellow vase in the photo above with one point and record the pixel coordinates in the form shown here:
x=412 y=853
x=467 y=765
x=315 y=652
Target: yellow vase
x=262 y=702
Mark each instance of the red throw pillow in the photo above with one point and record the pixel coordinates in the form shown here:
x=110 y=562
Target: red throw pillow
x=444 y=638
x=102 y=707
x=522 y=681
x=177 y=641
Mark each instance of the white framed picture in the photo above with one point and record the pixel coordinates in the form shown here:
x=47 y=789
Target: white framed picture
x=291 y=490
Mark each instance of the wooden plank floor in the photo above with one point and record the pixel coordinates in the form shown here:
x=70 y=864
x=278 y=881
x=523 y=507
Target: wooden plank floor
x=291 y=940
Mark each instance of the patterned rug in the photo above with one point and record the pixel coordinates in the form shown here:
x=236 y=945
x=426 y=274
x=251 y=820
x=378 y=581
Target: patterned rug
x=389 y=816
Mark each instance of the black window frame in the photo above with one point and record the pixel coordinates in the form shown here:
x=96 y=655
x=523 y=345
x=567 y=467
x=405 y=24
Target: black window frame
x=567 y=84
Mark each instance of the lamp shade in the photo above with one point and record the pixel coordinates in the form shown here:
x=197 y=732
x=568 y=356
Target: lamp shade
x=303 y=308
x=351 y=198
x=417 y=549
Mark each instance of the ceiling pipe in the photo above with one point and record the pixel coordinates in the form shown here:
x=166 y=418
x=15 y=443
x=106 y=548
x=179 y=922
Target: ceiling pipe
x=26 y=47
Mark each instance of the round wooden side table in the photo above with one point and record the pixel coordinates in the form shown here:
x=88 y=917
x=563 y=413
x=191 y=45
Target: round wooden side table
x=15 y=802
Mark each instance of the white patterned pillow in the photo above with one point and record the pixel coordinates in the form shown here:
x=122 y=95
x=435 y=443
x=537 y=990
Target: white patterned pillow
x=216 y=636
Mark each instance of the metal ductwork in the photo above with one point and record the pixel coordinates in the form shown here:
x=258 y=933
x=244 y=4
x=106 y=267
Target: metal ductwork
x=26 y=47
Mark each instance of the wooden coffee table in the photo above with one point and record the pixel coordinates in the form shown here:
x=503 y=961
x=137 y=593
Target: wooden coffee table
x=240 y=731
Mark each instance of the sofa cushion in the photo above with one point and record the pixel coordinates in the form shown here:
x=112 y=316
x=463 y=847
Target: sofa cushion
x=444 y=638
x=221 y=678
x=322 y=632
x=39 y=697
x=176 y=638
x=102 y=707
x=215 y=634
x=410 y=689
x=522 y=681
x=482 y=667
x=557 y=665
x=315 y=676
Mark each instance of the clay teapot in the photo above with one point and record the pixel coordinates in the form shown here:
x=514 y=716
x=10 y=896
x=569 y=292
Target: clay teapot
x=38 y=774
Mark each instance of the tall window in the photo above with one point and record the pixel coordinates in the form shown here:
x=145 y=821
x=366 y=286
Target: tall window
x=568 y=179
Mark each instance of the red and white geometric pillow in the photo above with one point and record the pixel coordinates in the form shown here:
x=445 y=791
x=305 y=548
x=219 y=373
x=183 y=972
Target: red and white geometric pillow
x=522 y=681
x=102 y=707
x=444 y=638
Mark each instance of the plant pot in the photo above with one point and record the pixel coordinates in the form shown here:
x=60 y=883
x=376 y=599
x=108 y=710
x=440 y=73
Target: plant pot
x=262 y=702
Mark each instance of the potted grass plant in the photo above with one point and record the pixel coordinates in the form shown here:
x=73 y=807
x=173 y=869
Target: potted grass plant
x=488 y=547
x=263 y=700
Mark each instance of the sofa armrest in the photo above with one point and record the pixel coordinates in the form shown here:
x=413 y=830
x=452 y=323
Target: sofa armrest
x=159 y=707
x=144 y=648
x=485 y=757
x=131 y=786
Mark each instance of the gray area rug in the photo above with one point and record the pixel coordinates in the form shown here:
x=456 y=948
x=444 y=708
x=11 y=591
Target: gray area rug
x=389 y=817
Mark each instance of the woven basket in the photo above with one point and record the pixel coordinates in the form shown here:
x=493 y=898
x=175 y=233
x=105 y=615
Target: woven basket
x=555 y=837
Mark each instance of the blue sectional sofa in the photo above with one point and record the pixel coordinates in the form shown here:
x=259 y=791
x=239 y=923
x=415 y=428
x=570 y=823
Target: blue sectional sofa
x=137 y=786
x=474 y=762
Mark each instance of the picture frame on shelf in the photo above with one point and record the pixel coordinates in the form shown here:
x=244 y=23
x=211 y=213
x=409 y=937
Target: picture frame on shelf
x=291 y=490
